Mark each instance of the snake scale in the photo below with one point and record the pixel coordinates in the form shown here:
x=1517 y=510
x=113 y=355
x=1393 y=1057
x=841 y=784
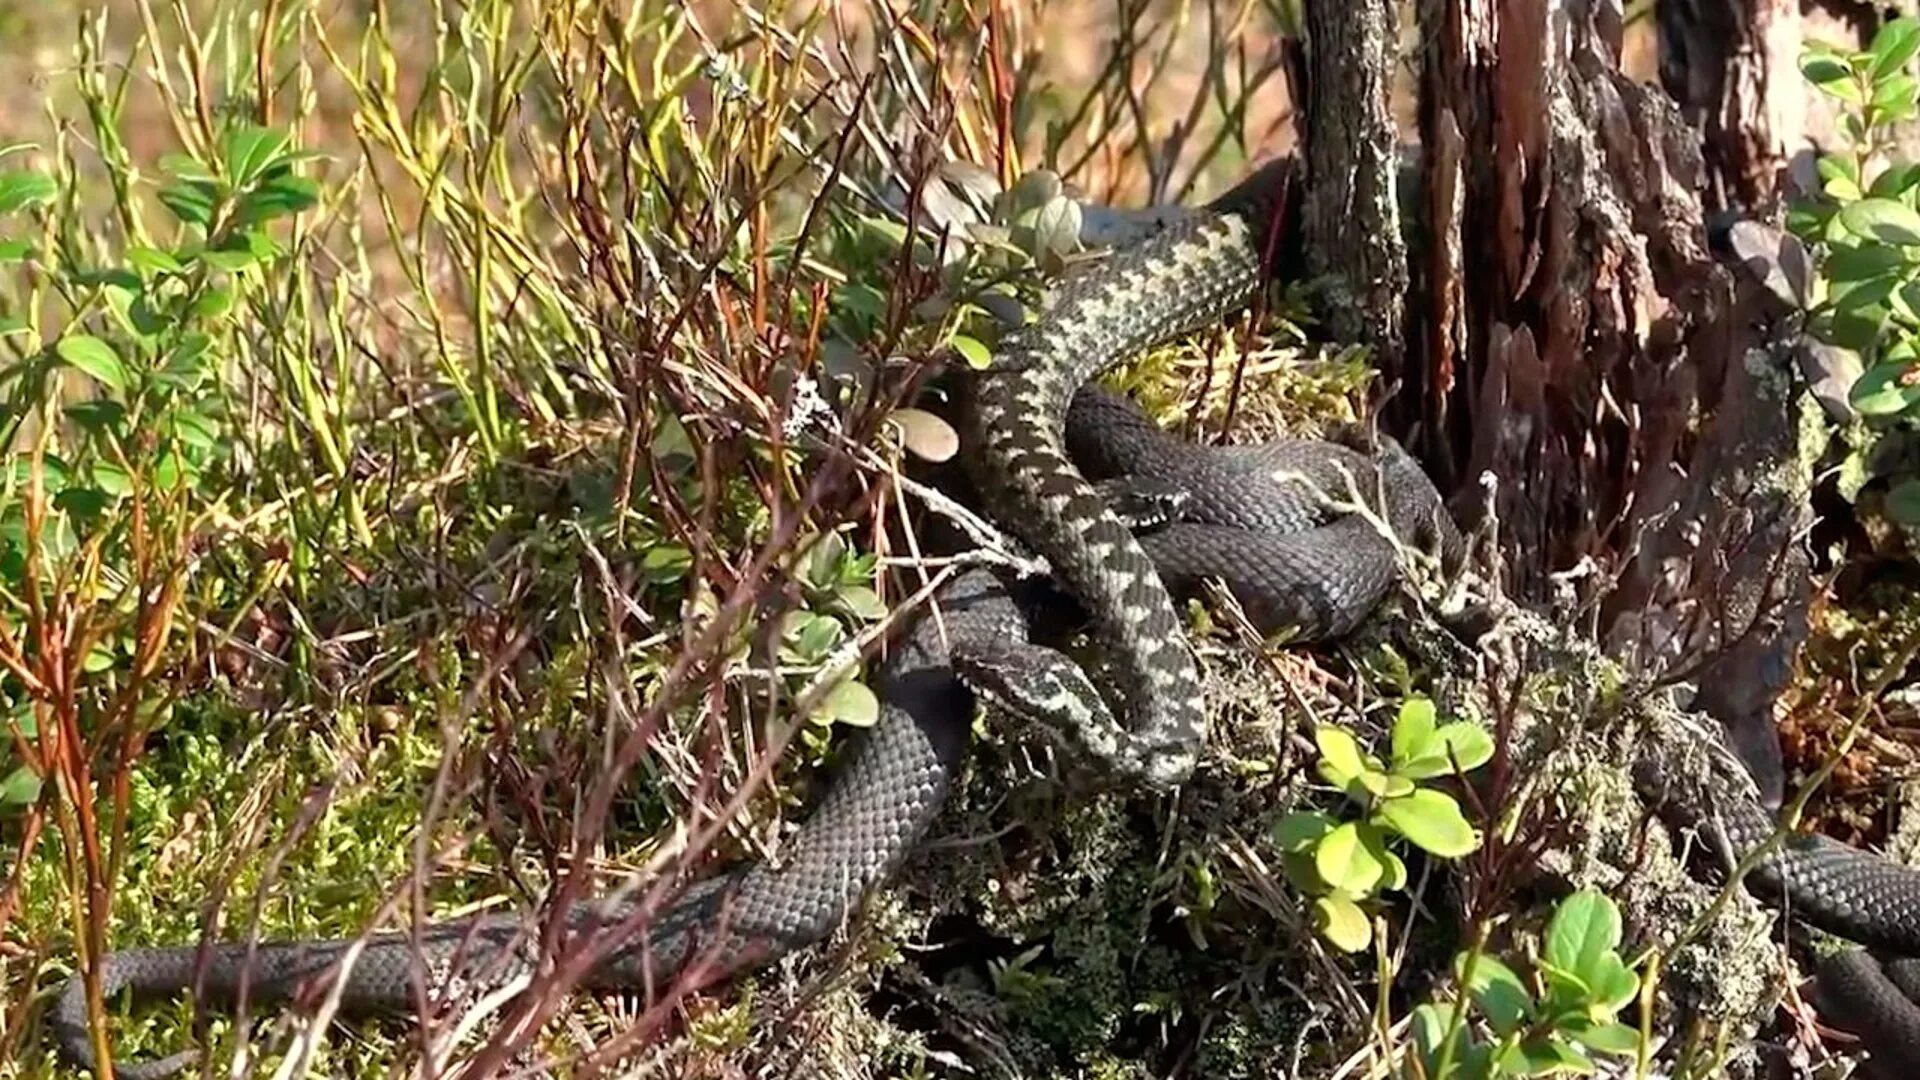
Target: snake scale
x=1240 y=516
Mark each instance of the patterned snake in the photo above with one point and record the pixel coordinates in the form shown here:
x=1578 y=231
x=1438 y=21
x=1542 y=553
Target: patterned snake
x=1248 y=516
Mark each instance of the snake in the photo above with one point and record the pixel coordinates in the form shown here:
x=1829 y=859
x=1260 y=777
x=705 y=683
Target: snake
x=1050 y=457
x=1190 y=274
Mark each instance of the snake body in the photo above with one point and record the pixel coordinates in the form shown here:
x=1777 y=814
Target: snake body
x=1187 y=276
x=1273 y=521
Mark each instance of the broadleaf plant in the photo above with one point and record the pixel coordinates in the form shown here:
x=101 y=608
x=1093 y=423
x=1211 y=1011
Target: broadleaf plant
x=1345 y=865
x=1553 y=1024
x=1863 y=232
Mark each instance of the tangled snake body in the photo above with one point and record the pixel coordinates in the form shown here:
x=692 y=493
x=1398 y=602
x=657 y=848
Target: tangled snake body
x=1187 y=276
x=1255 y=518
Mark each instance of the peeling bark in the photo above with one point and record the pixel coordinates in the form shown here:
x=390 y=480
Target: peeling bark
x=1571 y=314
x=1732 y=65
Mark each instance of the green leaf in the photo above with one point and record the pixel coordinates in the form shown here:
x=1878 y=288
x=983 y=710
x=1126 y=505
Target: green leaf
x=1432 y=821
x=1463 y=741
x=277 y=198
x=1842 y=189
x=975 y=354
x=1844 y=89
x=53 y=471
x=1430 y=1024
x=1895 y=180
x=1301 y=830
x=1613 y=986
x=189 y=356
x=1864 y=262
x=1585 y=928
x=1862 y=296
x=810 y=637
x=195 y=429
x=1893 y=94
x=1607 y=1038
x=20 y=788
x=98 y=416
x=191 y=201
x=95 y=357
x=822 y=568
x=850 y=703
x=1386 y=785
x=19 y=190
x=1831 y=75
x=112 y=479
x=665 y=564
x=1347 y=861
x=860 y=602
x=251 y=150
x=1886 y=220
x=146 y=321
x=213 y=303
x=231 y=260
x=1412 y=729
x=1809 y=220
x=13 y=251
x=1341 y=922
x=155 y=261
x=263 y=247
x=1837 y=167
x=84 y=503
x=1858 y=331
x=1499 y=993
x=172 y=469
x=1395 y=878
x=1341 y=761
x=1893 y=45
x=184 y=167
x=1468 y=743
x=1886 y=389
x=1839 y=177
x=1299 y=869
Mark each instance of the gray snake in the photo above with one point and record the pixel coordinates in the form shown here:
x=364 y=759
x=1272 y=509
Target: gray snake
x=1289 y=560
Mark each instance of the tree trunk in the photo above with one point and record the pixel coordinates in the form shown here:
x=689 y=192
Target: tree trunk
x=1732 y=65
x=1351 y=217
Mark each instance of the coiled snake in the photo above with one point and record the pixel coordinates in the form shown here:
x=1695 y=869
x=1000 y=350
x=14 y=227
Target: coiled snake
x=1248 y=516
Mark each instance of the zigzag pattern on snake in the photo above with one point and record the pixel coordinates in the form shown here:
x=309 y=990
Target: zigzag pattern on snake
x=1188 y=276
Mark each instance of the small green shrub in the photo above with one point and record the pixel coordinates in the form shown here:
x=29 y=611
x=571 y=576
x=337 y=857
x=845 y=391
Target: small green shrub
x=837 y=585
x=1344 y=865
x=1864 y=234
x=121 y=412
x=1549 y=1025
